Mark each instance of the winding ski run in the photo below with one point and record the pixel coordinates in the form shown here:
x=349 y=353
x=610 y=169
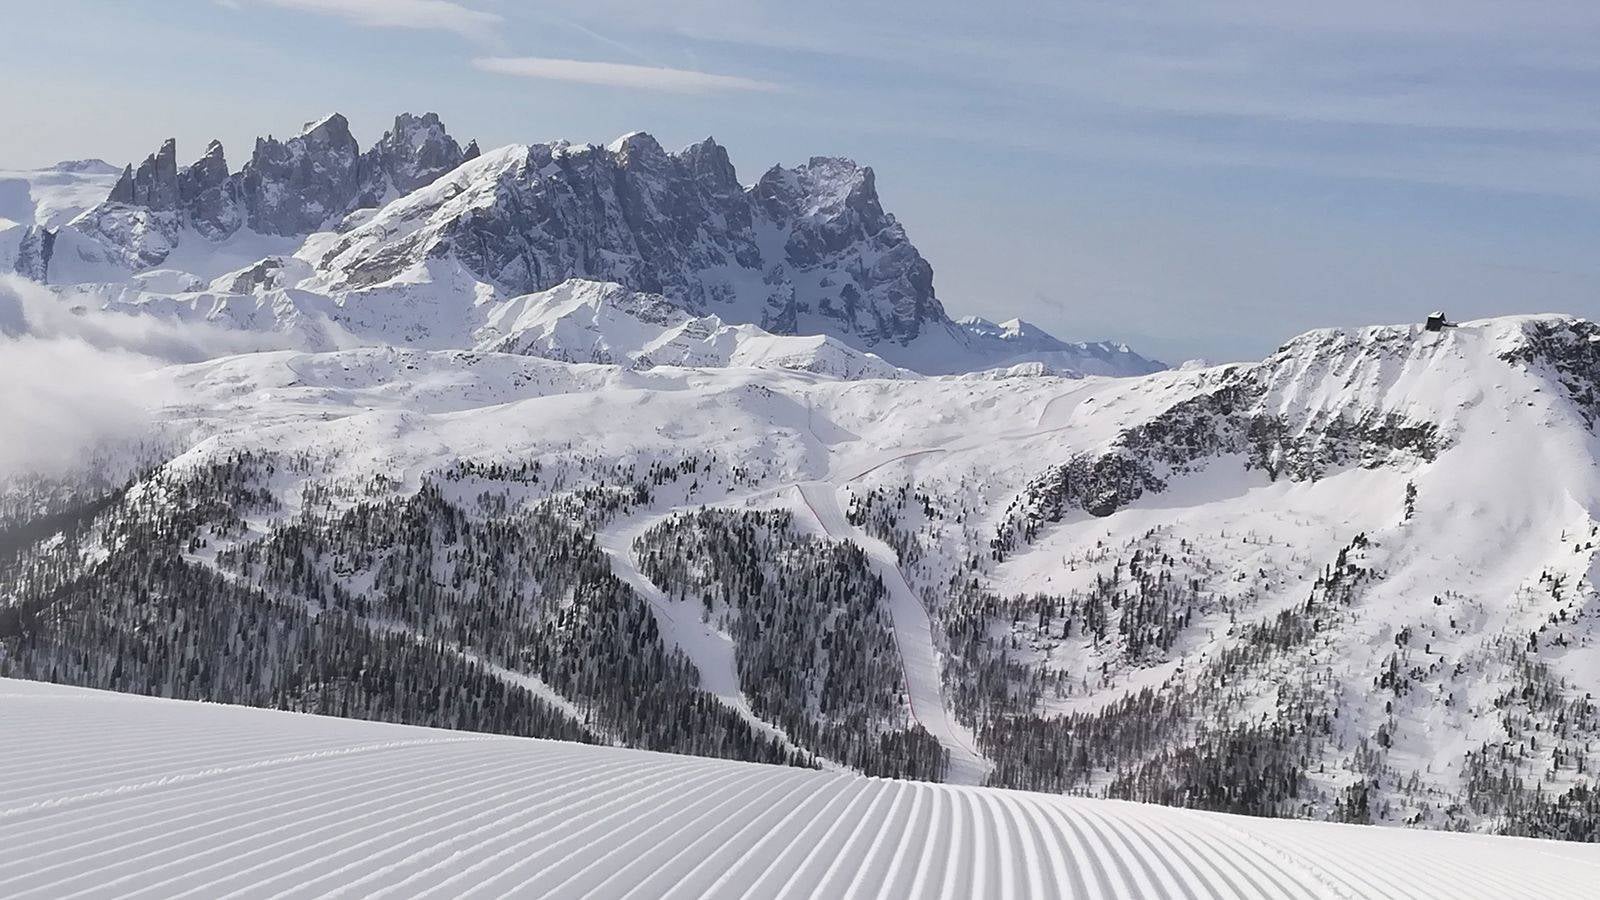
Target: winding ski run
x=913 y=637
x=107 y=794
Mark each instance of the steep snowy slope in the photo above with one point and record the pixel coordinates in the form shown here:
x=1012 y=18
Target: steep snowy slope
x=34 y=202
x=108 y=794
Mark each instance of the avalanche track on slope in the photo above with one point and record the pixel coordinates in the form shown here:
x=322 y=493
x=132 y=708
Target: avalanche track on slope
x=107 y=794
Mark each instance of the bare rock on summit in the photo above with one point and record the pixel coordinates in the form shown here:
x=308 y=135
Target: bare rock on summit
x=294 y=186
x=411 y=155
x=154 y=184
x=837 y=227
x=208 y=194
x=202 y=191
x=808 y=250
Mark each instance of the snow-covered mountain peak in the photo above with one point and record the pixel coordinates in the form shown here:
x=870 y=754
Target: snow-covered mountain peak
x=1401 y=376
x=333 y=127
x=621 y=141
x=1409 y=362
x=1014 y=330
x=91 y=166
x=708 y=162
x=1015 y=342
x=636 y=147
x=414 y=153
x=826 y=187
x=297 y=185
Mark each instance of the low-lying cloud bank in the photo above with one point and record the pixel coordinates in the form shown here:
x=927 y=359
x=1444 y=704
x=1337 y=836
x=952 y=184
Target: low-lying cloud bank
x=74 y=378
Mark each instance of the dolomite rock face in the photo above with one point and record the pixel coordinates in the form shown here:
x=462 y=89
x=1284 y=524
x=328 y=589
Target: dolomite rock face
x=208 y=195
x=807 y=250
x=413 y=154
x=295 y=186
x=154 y=184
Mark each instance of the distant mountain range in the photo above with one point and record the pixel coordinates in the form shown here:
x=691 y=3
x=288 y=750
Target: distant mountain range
x=416 y=239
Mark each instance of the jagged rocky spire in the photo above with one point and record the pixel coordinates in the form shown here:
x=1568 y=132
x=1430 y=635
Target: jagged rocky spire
x=154 y=184
x=207 y=194
x=298 y=185
x=413 y=154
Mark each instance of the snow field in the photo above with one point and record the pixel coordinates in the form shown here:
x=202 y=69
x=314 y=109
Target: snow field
x=113 y=795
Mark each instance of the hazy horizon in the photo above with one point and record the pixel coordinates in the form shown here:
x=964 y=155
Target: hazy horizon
x=1193 y=179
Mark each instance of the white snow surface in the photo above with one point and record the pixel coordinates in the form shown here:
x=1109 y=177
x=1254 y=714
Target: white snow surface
x=108 y=795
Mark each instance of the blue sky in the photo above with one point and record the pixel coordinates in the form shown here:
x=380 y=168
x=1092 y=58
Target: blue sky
x=1196 y=177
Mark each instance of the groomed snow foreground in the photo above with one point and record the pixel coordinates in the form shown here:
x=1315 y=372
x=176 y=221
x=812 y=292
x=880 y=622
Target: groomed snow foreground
x=106 y=794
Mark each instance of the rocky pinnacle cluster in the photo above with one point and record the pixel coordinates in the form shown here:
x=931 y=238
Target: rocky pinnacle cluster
x=293 y=186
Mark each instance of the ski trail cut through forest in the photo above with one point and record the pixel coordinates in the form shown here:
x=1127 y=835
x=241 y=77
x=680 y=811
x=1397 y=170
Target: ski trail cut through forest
x=913 y=634
x=711 y=650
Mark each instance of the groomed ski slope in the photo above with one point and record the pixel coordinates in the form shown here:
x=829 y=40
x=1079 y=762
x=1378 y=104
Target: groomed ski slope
x=107 y=794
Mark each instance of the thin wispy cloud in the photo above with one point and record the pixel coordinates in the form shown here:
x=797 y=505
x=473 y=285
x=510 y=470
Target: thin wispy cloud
x=421 y=15
x=622 y=75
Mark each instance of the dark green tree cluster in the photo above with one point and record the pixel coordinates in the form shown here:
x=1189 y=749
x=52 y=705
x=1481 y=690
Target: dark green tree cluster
x=1185 y=742
x=1537 y=780
x=1133 y=614
x=814 y=646
x=1251 y=770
